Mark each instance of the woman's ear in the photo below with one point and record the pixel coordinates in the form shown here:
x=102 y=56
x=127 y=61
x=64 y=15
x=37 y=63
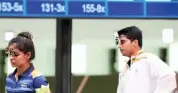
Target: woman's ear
x=28 y=55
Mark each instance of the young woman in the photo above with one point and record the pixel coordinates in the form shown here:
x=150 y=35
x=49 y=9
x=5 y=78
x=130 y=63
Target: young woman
x=25 y=78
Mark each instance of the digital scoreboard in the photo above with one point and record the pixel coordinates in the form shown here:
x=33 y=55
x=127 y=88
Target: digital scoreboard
x=90 y=8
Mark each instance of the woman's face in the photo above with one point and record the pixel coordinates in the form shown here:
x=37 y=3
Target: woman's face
x=17 y=57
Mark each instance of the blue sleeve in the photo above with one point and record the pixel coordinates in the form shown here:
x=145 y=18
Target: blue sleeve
x=39 y=81
x=41 y=85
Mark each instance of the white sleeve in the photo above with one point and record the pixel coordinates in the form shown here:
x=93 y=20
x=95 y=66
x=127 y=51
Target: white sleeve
x=121 y=74
x=119 y=87
x=165 y=77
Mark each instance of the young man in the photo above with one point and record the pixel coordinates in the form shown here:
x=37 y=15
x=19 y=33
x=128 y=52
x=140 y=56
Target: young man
x=144 y=72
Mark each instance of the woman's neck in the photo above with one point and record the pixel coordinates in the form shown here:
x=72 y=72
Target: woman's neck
x=22 y=69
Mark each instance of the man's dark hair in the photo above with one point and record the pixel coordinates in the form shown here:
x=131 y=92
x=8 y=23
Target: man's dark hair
x=132 y=33
x=24 y=43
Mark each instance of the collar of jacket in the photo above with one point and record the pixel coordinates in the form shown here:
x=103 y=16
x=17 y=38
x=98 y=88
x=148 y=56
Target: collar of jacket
x=137 y=58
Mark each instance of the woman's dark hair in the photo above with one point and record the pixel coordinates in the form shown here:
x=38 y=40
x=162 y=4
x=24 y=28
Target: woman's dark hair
x=24 y=43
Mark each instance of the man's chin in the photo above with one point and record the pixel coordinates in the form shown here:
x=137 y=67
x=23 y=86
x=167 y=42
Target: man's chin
x=124 y=55
x=13 y=65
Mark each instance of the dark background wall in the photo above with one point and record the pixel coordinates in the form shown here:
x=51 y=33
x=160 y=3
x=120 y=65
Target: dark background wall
x=95 y=84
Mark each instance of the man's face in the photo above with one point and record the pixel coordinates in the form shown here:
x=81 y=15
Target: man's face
x=125 y=45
